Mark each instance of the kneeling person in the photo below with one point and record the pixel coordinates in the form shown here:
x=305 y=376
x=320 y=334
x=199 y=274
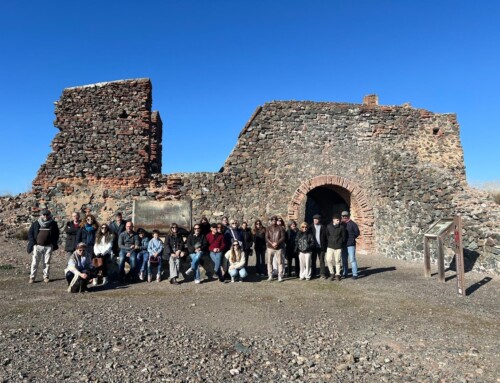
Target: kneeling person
x=79 y=271
x=236 y=259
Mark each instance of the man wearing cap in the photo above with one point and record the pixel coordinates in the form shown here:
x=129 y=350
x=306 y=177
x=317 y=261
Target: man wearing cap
x=43 y=238
x=349 y=249
x=320 y=244
x=275 y=237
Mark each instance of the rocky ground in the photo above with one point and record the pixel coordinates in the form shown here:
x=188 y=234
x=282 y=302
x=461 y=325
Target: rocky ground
x=391 y=325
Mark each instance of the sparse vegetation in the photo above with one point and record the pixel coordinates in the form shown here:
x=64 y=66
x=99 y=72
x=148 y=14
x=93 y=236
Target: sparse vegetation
x=496 y=197
x=22 y=234
x=6 y=267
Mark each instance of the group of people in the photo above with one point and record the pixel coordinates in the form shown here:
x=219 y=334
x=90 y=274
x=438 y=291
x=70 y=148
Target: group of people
x=91 y=248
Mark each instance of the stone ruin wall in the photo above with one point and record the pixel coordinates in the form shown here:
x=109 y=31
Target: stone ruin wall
x=400 y=168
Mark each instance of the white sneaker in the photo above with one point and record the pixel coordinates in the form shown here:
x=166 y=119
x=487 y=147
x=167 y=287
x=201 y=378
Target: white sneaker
x=189 y=271
x=270 y=278
x=94 y=282
x=280 y=279
x=104 y=281
x=197 y=281
x=141 y=276
x=232 y=279
x=302 y=278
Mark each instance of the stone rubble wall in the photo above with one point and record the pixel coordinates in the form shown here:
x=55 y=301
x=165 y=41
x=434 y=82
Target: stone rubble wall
x=399 y=168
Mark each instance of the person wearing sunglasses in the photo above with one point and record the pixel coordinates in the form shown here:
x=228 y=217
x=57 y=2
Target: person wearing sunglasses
x=175 y=248
x=196 y=244
x=304 y=246
x=103 y=249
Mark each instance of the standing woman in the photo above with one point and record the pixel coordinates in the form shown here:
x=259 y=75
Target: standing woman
x=304 y=245
x=291 y=254
x=103 y=249
x=259 y=237
x=87 y=234
x=71 y=229
x=236 y=259
x=246 y=235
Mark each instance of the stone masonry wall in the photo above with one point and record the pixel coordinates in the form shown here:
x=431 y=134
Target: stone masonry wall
x=398 y=168
x=106 y=130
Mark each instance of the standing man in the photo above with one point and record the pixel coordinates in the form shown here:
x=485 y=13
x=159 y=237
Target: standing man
x=71 y=229
x=117 y=227
x=43 y=238
x=336 y=237
x=321 y=241
x=129 y=245
x=349 y=250
x=275 y=236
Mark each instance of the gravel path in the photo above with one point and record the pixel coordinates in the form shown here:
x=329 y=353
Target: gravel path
x=391 y=325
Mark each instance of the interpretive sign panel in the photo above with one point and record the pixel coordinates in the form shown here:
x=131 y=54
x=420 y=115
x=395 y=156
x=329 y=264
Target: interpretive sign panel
x=161 y=214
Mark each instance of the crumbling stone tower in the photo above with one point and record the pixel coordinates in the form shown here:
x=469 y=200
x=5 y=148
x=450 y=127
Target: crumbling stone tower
x=107 y=133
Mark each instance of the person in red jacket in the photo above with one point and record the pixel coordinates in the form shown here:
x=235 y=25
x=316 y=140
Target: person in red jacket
x=216 y=246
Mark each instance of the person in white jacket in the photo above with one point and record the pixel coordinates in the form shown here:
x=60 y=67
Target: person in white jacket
x=236 y=260
x=103 y=248
x=79 y=270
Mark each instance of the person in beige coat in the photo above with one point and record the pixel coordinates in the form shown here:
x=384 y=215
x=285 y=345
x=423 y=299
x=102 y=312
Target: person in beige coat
x=236 y=261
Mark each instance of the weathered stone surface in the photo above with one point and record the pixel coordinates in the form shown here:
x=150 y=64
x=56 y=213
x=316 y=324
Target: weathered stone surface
x=397 y=169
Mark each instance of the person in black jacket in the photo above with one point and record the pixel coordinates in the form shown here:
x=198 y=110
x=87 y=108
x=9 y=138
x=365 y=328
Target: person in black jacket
x=87 y=234
x=304 y=245
x=349 y=249
x=43 y=239
x=117 y=227
x=247 y=237
x=174 y=247
x=336 y=237
x=197 y=245
x=321 y=240
x=291 y=253
x=71 y=229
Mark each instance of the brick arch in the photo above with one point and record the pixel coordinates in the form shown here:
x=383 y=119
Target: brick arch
x=352 y=193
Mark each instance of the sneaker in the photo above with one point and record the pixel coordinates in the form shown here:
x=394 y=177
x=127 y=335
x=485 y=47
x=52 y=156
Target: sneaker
x=280 y=279
x=31 y=281
x=354 y=277
x=104 y=281
x=158 y=278
x=94 y=282
x=301 y=278
x=141 y=275
x=240 y=280
x=232 y=279
x=197 y=281
x=46 y=279
x=173 y=281
x=150 y=278
x=270 y=278
x=189 y=271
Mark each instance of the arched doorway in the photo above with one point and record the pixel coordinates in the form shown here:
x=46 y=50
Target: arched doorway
x=326 y=200
x=328 y=195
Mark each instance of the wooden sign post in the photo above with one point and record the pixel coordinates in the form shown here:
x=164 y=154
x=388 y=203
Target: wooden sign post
x=438 y=231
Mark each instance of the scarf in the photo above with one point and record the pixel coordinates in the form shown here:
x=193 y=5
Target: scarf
x=45 y=224
x=89 y=228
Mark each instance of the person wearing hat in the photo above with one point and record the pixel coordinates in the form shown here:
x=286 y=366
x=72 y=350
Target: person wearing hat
x=336 y=234
x=79 y=270
x=349 y=248
x=43 y=238
x=275 y=236
x=319 y=250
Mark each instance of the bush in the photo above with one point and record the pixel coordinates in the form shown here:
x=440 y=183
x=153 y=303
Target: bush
x=21 y=234
x=496 y=197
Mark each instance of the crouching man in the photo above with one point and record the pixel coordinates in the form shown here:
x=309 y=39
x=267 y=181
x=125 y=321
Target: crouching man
x=80 y=270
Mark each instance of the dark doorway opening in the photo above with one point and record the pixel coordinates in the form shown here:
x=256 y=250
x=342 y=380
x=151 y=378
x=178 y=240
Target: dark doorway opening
x=326 y=200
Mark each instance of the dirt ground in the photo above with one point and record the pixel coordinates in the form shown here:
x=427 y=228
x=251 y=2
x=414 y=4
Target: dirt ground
x=391 y=324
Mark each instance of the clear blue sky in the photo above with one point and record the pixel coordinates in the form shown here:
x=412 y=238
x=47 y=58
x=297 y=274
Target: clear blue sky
x=213 y=62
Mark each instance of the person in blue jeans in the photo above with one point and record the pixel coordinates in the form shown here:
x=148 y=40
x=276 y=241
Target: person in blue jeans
x=196 y=244
x=143 y=254
x=236 y=260
x=128 y=243
x=349 y=249
x=155 y=250
x=216 y=246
